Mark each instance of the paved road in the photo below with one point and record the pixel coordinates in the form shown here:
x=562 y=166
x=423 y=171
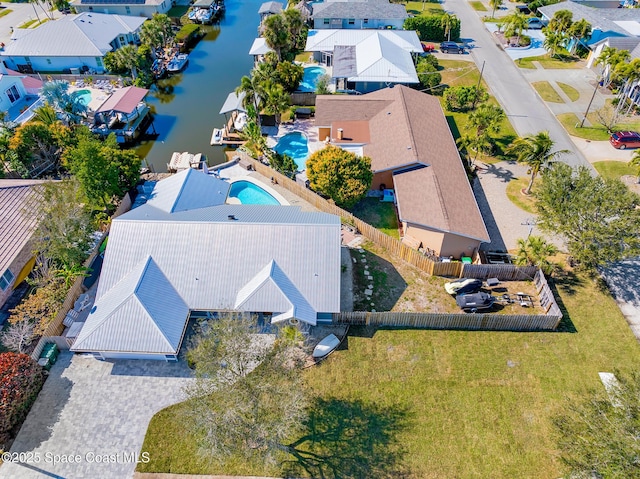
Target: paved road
x=20 y=13
x=527 y=112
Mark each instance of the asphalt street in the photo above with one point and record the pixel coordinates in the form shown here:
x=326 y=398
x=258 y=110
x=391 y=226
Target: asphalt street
x=526 y=111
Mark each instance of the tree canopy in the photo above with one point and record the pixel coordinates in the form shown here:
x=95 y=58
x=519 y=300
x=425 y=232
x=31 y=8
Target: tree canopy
x=599 y=218
x=340 y=174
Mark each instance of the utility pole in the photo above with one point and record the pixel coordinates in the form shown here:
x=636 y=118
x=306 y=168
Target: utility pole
x=590 y=102
x=475 y=100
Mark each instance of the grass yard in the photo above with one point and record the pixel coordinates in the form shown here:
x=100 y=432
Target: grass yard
x=547 y=92
x=378 y=214
x=435 y=404
x=568 y=90
x=564 y=62
x=5 y=11
x=423 y=8
x=614 y=170
x=514 y=193
x=570 y=123
x=478 y=6
x=464 y=73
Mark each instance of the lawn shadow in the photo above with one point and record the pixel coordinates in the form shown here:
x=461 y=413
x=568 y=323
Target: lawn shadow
x=497 y=242
x=377 y=284
x=349 y=439
x=570 y=281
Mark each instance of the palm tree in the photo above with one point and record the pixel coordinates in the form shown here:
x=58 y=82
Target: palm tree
x=560 y=22
x=276 y=34
x=127 y=57
x=295 y=23
x=536 y=152
x=535 y=251
x=495 y=4
x=56 y=95
x=486 y=119
x=515 y=24
x=46 y=115
x=553 y=42
x=580 y=30
x=447 y=21
x=478 y=144
x=276 y=99
x=252 y=92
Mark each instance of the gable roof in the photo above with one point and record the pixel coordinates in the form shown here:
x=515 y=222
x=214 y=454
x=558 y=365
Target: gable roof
x=260 y=47
x=326 y=39
x=19 y=203
x=142 y=313
x=360 y=10
x=408 y=130
x=270 y=7
x=124 y=100
x=187 y=190
x=233 y=102
x=82 y=35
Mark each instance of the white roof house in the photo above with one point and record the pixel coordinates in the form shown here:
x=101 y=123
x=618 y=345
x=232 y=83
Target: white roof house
x=367 y=56
x=71 y=41
x=144 y=8
x=165 y=259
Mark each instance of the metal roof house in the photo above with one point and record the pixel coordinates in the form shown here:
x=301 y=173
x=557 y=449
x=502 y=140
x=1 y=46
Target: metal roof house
x=73 y=41
x=366 y=60
x=187 y=250
x=412 y=150
x=138 y=8
x=359 y=15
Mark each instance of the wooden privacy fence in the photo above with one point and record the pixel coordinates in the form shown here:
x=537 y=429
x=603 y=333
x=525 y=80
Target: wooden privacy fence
x=56 y=327
x=504 y=272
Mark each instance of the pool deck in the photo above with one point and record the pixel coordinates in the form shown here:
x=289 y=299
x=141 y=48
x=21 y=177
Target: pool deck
x=307 y=127
x=98 y=95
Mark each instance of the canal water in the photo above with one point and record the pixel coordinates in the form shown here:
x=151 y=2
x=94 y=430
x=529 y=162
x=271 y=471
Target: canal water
x=186 y=105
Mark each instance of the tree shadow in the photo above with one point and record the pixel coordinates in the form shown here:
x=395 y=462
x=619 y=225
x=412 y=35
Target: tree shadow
x=349 y=439
x=570 y=281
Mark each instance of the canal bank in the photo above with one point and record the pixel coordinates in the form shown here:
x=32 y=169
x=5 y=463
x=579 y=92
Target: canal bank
x=186 y=105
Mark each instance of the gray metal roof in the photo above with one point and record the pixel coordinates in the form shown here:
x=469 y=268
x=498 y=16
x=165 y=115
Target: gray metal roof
x=259 y=47
x=326 y=39
x=360 y=10
x=143 y=313
x=209 y=259
x=82 y=35
x=233 y=102
x=270 y=7
x=189 y=189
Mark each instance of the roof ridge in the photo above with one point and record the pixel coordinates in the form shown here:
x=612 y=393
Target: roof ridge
x=405 y=110
x=83 y=32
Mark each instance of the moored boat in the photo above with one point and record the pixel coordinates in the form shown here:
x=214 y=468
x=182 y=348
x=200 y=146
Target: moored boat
x=177 y=63
x=325 y=346
x=216 y=136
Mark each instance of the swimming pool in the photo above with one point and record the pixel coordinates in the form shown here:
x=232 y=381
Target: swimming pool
x=251 y=194
x=295 y=145
x=84 y=96
x=310 y=79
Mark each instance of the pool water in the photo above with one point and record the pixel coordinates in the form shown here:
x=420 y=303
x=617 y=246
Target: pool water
x=251 y=194
x=296 y=146
x=84 y=96
x=310 y=79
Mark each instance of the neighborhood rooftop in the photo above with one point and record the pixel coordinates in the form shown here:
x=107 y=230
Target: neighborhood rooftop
x=359 y=10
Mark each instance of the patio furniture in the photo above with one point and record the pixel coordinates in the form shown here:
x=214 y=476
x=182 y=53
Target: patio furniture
x=491 y=282
x=71 y=316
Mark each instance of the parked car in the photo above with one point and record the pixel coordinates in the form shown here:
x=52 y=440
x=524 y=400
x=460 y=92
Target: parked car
x=523 y=9
x=470 y=303
x=463 y=286
x=625 y=139
x=535 y=23
x=427 y=47
x=451 y=47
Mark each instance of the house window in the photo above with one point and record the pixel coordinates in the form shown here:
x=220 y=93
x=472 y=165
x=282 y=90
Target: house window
x=27 y=60
x=99 y=61
x=128 y=9
x=365 y=21
x=14 y=96
x=48 y=61
x=325 y=21
x=6 y=279
x=352 y=21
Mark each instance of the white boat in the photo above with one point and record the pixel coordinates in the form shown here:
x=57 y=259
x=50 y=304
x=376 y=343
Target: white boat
x=177 y=63
x=205 y=15
x=240 y=121
x=193 y=15
x=325 y=346
x=183 y=161
x=216 y=136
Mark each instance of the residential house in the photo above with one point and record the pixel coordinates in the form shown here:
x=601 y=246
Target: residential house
x=185 y=251
x=366 y=60
x=19 y=95
x=412 y=150
x=606 y=24
x=359 y=15
x=71 y=42
x=19 y=205
x=269 y=8
x=138 y=8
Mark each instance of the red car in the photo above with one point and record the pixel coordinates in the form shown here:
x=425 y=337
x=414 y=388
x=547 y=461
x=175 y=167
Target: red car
x=625 y=139
x=427 y=47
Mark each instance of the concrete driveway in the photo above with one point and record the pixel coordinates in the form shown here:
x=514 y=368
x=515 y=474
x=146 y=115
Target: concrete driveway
x=95 y=413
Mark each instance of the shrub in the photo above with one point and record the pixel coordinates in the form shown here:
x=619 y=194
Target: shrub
x=20 y=382
x=429 y=27
x=187 y=32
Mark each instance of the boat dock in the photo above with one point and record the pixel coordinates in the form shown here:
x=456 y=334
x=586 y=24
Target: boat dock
x=184 y=161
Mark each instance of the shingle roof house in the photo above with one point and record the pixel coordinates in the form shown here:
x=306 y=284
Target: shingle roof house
x=73 y=41
x=406 y=135
x=18 y=219
x=186 y=250
x=359 y=15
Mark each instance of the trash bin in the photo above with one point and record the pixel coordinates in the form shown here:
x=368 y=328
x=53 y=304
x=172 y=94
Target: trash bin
x=45 y=363
x=50 y=352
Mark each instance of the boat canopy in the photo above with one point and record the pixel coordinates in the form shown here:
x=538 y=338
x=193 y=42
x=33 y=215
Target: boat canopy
x=233 y=103
x=124 y=100
x=203 y=3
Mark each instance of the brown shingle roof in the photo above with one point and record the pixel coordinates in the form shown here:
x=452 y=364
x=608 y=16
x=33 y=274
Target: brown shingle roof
x=17 y=199
x=407 y=127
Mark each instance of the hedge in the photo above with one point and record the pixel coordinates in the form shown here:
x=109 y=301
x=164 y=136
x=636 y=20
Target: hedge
x=20 y=382
x=429 y=28
x=187 y=32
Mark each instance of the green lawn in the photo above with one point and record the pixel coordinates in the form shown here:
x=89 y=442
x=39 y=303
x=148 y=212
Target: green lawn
x=378 y=214
x=546 y=61
x=4 y=12
x=546 y=92
x=514 y=193
x=478 y=6
x=459 y=404
x=595 y=132
x=464 y=73
x=614 y=169
x=568 y=90
x=423 y=8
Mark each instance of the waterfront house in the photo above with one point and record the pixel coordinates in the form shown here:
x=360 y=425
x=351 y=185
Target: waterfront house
x=71 y=42
x=138 y=8
x=412 y=151
x=19 y=206
x=186 y=252
x=359 y=15
x=366 y=60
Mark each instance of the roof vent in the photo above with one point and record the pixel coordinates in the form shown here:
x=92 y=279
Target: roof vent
x=231 y=217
